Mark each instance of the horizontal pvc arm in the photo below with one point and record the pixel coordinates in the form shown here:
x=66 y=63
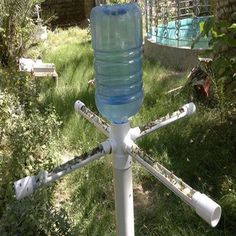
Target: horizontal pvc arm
x=99 y=123
x=206 y=208
x=184 y=111
x=29 y=184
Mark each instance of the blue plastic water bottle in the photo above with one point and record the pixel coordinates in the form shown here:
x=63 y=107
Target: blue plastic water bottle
x=117 y=43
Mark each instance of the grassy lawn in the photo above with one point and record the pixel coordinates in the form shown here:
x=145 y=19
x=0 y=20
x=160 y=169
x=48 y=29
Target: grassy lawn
x=199 y=149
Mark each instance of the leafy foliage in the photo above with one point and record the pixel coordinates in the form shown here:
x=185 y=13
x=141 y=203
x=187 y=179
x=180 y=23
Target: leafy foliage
x=223 y=44
x=223 y=51
x=222 y=68
x=16 y=28
x=28 y=135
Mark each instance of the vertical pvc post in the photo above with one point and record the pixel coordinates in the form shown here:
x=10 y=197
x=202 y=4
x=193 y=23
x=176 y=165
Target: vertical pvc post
x=122 y=181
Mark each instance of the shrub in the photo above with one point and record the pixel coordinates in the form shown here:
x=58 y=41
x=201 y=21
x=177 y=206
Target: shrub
x=16 y=28
x=222 y=29
x=28 y=135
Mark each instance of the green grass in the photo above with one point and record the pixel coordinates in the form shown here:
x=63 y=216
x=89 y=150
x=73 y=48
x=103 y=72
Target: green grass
x=199 y=149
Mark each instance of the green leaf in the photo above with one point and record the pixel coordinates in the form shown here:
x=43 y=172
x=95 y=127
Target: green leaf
x=201 y=25
x=208 y=26
x=232 y=27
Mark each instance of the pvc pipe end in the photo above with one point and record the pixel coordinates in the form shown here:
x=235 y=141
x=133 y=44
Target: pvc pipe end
x=78 y=105
x=190 y=108
x=207 y=209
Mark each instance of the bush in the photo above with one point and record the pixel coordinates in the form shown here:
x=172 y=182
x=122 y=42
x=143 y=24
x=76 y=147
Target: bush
x=28 y=135
x=221 y=70
x=16 y=28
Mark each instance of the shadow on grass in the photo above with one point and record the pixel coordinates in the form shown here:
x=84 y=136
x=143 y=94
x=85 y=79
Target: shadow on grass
x=93 y=200
x=160 y=88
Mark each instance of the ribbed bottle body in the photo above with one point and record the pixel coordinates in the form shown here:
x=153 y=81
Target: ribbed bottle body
x=117 y=44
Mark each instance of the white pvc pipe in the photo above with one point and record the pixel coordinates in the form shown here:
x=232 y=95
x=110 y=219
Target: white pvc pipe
x=105 y=149
x=205 y=207
x=124 y=202
x=137 y=132
x=165 y=176
x=99 y=123
x=29 y=184
x=184 y=111
x=122 y=181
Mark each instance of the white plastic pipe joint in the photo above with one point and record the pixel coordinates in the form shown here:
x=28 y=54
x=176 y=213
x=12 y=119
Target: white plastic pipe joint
x=190 y=108
x=78 y=105
x=206 y=208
